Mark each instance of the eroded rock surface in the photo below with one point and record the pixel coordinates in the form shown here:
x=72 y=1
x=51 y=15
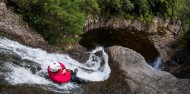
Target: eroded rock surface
x=12 y=26
x=143 y=79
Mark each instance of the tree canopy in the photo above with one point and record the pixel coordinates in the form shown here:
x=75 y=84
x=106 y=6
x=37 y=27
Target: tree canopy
x=130 y=8
x=61 y=21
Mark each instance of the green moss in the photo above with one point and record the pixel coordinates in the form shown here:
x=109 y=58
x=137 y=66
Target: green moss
x=69 y=40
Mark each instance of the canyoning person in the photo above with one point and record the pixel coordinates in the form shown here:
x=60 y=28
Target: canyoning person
x=59 y=74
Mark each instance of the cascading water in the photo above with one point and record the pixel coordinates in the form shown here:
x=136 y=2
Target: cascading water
x=157 y=63
x=21 y=73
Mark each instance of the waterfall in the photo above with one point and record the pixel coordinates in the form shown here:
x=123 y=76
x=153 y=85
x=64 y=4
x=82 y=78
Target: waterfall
x=157 y=63
x=96 y=67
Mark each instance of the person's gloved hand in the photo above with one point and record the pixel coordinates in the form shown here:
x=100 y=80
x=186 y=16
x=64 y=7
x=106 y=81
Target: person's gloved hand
x=63 y=70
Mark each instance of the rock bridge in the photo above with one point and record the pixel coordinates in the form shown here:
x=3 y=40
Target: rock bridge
x=137 y=35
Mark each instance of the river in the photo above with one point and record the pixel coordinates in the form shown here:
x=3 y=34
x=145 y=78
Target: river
x=30 y=65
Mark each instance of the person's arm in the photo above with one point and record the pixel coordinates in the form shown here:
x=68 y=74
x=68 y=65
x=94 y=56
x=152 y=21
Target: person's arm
x=63 y=70
x=62 y=66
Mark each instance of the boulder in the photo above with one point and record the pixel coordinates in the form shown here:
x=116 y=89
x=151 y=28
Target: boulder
x=143 y=79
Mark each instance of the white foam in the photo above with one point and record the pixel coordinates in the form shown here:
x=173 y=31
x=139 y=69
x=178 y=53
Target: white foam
x=94 y=70
x=20 y=75
x=157 y=63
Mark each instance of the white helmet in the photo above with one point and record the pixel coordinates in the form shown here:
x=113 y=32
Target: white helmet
x=54 y=67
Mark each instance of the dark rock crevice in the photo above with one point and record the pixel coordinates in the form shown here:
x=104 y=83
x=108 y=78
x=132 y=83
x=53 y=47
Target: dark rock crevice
x=106 y=37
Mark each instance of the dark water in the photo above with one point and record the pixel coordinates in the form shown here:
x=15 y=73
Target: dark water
x=136 y=40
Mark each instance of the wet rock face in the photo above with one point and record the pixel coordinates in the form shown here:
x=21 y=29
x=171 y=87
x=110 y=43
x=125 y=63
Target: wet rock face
x=141 y=78
x=13 y=27
x=136 y=40
x=183 y=71
x=180 y=64
x=78 y=53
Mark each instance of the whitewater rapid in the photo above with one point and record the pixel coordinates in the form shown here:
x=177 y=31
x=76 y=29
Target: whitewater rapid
x=95 y=69
x=157 y=64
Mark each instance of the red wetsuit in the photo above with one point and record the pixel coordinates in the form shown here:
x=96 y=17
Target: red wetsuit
x=58 y=77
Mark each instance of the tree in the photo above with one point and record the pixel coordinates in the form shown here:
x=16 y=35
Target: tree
x=53 y=19
x=183 y=13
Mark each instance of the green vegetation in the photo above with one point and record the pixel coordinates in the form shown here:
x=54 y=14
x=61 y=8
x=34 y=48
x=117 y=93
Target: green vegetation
x=184 y=15
x=61 y=21
x=56 y=20
x=132 y=9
